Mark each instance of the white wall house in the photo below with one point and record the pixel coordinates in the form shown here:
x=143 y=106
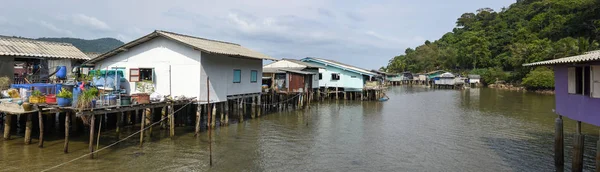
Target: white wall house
x=180 y=65
x=293 y=64
x=336 y=74
x=445 y=79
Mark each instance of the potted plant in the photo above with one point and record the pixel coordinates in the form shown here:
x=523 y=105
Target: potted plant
x=64 y=98
x=37 y=97
x=87 y=98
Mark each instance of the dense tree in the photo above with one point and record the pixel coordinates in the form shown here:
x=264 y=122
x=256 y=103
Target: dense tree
x=526 y=31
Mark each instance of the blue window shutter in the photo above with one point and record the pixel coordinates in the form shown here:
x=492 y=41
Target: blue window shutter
x=253 y=76
x=237 y=76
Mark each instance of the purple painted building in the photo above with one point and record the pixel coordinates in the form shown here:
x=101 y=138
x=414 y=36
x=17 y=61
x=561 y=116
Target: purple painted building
x=577 y=86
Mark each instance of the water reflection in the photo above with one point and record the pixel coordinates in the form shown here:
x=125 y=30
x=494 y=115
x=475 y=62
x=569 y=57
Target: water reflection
x=418 y=129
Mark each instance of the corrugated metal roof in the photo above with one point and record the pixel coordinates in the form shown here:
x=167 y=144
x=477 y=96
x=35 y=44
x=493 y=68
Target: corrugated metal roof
x=284 y=70
x=201 y=44
x=92 y=55
x=11 y=46
x=361 y=70
x=303 y=63
x=299 y=71
x=586 y=57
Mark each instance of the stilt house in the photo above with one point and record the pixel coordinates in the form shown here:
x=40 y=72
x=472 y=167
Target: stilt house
x=183 y=65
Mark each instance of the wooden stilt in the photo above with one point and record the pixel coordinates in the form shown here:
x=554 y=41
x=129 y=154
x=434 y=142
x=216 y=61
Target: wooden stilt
x=91 y=142
x=171 y=122
x=41 y=124
x=598 y=156
x=28 y=126
x=253 y=107
x=7 y=127
x=99 y=131
x=163 y=114
x=149 y=120
x=227 y=112
x=213 y=115
x=243 y=109
x=67 y=121
x=222 y=110
x=119 y=122
x=129 y=117
x=142 y=126
x=198 y=110
x=578 y=149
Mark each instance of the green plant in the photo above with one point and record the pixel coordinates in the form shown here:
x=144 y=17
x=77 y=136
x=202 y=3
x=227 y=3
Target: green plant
x=64 y=93
x=87 y=96
x=36 y=93
x=539 y=78
x=4 y=82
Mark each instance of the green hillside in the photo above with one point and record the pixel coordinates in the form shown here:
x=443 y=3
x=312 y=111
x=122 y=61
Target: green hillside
x=97 y=45
x=496 y=44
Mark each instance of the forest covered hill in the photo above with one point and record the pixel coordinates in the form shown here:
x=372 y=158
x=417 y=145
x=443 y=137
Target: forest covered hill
x=496 y=44
x=101 y=45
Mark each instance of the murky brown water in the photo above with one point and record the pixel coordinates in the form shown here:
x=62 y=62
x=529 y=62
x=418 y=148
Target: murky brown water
x=418 y=129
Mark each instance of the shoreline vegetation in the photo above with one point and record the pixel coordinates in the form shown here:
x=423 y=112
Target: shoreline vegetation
x=495 y=44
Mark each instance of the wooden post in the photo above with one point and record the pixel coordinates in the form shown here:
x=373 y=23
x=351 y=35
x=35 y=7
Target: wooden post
x=253 y=107
x=163 y=114
x=149 y=120
x=598 y=156
x=198 y=110
x=67 y=118
x=336 y=93
x=243 y=106
x=213 y=115
x=578 y=149
x=28 y=126
x=7 y=123
x=227 y=112
x=129 y=117
x=119 y=122
x=91 y=143
x=142 y=125
x=171 y=122
x=222 y=110
x=41 y=124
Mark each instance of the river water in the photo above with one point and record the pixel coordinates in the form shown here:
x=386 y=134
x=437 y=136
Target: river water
x=418 y=129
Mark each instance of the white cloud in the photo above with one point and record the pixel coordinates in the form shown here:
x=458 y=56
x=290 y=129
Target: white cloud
x=3 y=20
x=91 y=22
x=55 y=29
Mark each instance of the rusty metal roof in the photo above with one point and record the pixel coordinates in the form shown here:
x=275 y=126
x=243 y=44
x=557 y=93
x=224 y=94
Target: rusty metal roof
x=12 y=46
x=586 y=57
x=201 y=44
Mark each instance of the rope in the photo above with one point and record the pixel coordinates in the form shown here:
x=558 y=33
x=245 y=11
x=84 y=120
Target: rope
x=115 y=143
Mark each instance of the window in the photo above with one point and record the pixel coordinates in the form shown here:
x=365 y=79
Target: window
x=237 y=76
x=146 y=74
x=320 y=76
x=579 y=79
x=253 y=76
x=134 y=75
x=335 y=76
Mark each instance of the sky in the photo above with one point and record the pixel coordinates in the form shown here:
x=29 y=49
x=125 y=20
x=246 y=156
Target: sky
x=362 y=33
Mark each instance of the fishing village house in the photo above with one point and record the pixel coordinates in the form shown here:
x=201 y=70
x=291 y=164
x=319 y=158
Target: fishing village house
x=474 y=80
x=393 y=78
x=290 y=75
x=577 y=94
x=337 y=77
x=182 y=65
x=32 y=61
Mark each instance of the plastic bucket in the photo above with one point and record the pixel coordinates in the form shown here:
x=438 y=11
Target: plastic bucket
x=110 y=99
x=51 y=99
x=125 y=100
x=62 y=102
